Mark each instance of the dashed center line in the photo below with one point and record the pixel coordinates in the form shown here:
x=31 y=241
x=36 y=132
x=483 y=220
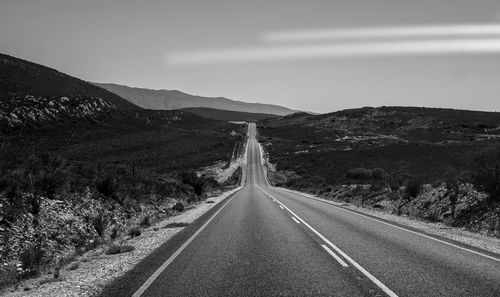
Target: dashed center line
x=379 y=284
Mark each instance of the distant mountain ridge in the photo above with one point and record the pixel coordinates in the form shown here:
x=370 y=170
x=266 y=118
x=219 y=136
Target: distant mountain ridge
x=172 y=99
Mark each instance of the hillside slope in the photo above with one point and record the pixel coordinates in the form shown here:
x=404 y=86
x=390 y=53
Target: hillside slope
x=172 y=99
x=32 y=95
x=19 y=78
x=405 y=160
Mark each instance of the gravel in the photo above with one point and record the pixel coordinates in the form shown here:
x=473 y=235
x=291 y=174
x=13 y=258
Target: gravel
x=96 y=269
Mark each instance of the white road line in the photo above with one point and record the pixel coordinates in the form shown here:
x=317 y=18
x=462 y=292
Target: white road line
x=335 y=256
x=281 y=207
x=157 y=273
x=398 y=227
x=296 y=221
x=379 y=284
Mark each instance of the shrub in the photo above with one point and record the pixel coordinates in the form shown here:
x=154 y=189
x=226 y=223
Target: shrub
x=8 y=276
x=107 y=186
x=378 y=173
x=118 y=249
x=178 y=207
x=362 y=174
x=190 y=178
x=145 y=222
x=114 y=233
x=485 y=173
x=99 y=222
x=74 y=266
x=413 y=188
x=47 y=174
x=134 y=231
x=57 y=273
x=31 y=259
x=176 y=225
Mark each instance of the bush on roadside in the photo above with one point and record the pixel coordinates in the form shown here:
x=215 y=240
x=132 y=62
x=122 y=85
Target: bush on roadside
x=190 y=178
x=485 y=173
x=176 y=225
x=134 y=231
x=178 y=206
x=100 y=223
x=31 y=259
x=107 y=186
x=145 y=222
x=413 y=188
x=380 y=174
x=118 y=249
x=361 y=174
x=74 y=266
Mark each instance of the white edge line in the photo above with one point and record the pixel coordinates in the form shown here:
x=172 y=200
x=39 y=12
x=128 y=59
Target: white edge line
x=335 y=256
x=379 y=284
x=296 y=221
x=281 y=207
x=165 y=264
x=397 y=227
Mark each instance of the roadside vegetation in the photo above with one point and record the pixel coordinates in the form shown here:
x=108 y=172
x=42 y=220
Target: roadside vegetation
x=58 y=204
x=433 y=164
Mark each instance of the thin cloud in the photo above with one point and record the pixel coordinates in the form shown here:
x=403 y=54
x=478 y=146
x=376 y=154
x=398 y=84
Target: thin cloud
x=337 y=50
x=469 y=30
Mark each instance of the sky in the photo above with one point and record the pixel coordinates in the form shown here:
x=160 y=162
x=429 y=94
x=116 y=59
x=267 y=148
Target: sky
x=311 y=55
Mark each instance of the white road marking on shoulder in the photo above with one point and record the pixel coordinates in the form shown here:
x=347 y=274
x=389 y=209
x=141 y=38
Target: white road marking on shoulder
x=379 y=284
x=296 y=221
x=335 y=256
x=157 y=273
x=281 y=207
x=397 y=227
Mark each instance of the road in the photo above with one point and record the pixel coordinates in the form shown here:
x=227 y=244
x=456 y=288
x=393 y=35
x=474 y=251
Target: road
x=267 y=241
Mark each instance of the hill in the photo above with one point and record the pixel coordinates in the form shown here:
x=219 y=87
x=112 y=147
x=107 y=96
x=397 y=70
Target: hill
x=405 y=160
x=20 y=78
x=32 y=95
x=172 y=99
x=392 y=138
x=228 y=115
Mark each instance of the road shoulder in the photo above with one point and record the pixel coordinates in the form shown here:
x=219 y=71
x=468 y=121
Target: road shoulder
x=467 y=238
x=99 y=273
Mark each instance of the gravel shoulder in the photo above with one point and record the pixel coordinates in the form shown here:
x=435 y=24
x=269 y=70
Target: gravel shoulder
x=96 y=268
x=488 y=243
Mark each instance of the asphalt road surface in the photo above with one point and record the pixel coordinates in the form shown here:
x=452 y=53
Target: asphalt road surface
x=266 y=241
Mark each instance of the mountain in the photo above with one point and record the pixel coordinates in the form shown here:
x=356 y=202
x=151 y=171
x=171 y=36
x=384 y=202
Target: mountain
x=228 y=115
x=19 y=78
x=35 y=95
x=172 y=99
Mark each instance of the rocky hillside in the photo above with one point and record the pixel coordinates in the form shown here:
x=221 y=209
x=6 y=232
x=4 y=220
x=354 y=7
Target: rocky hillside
x=20 y=78
x=172 y=99
x=30 y=111
x=33 y=95
x=429 y=163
